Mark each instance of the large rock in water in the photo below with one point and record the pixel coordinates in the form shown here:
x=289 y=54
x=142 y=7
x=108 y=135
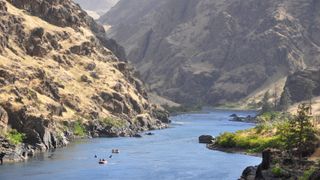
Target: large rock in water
x=206 y=139
x=213 y=51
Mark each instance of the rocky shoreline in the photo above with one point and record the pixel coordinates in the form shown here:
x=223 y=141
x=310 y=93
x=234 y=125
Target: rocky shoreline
x=232 y=150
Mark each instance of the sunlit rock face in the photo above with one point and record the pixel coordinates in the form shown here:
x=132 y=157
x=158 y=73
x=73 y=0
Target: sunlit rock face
x=57 y=72
x=211 y=52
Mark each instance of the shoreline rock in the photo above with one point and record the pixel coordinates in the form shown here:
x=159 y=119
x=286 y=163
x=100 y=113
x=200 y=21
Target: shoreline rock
x=247 y=119
x=206 y=139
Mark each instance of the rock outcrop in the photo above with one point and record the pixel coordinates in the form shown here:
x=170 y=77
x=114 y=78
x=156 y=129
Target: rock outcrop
x=206 y=139
x=211 y=52
x=278 y=165
x=59 y=79
x=303 y=85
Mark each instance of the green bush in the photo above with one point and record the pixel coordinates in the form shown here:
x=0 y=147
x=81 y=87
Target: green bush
x=15 y=137
x=226 y=140
x=113 y=122
x=252 y=140
x=306 y=175
x=79 y=129
x=277 y=171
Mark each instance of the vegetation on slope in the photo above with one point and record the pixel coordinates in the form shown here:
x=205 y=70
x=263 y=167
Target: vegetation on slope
x=274 y=130
x=15 y=137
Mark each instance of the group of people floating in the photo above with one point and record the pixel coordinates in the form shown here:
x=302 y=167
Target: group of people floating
x=104 y=161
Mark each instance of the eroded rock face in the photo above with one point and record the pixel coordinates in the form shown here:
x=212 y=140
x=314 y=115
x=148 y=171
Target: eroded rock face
x=216 y=51
x=65 y=13
x=304 y=84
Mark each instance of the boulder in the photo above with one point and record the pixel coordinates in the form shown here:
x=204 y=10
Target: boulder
x=137 y=136
x=85 y=78
x=149 y=133
x=91 y=66
x=206 y=139
x=249 y=173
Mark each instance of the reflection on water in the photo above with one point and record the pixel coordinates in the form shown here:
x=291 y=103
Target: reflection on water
x=173 y=153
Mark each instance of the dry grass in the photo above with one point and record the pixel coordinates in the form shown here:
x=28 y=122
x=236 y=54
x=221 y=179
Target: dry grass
x=23 y=66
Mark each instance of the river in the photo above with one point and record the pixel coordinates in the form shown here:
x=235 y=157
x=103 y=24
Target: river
x=172 y=153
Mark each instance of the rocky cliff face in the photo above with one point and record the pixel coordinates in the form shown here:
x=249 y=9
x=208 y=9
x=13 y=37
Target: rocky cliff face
x=57 y=73
x=216 y=51
x=304 y=85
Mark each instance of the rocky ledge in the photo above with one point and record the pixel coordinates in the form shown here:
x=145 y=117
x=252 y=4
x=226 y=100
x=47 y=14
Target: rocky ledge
x=278 y=165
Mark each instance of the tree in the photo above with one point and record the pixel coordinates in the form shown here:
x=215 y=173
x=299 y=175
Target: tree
x=299 y=132
x=266 y=105
x=309 y=86
x=285 y=100
x=275 y=97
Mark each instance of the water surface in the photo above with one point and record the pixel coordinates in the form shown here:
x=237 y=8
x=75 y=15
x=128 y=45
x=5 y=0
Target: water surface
x=173 y=153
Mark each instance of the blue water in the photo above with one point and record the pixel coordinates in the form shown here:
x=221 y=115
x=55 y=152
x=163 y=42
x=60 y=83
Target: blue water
x=173 y=153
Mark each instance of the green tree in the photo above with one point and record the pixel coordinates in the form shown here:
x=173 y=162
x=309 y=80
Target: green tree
x=266 y=105
x=309 y=86
x=275 y=97
x=299 y=132
x=285 y=100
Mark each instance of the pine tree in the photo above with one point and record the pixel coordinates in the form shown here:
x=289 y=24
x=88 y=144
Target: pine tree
x=299 y=133
x=266 y=105
x=309 y=86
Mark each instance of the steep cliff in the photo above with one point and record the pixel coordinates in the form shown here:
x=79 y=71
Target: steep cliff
x=212 y=52
x=304 y=85
x=58 y=79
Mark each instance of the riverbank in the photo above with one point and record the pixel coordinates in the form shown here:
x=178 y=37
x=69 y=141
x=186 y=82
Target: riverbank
x=18 y=152
x=233 y=150
x=276 y=138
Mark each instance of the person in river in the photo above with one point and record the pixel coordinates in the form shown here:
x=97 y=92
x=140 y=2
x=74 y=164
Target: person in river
x=1 y=157
x=110 y=156
x=95 y=156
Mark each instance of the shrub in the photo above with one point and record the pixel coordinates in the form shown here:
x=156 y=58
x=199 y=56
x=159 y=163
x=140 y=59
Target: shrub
x=277 y=171
x=226 y=140
x=113 y=122
x=306 y=175
x=15 y=137
x=79 y=129
x=252 y=140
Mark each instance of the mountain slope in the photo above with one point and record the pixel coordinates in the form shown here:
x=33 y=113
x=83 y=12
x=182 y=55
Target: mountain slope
x=212 y=52
x=98 y=6
x=58 y=80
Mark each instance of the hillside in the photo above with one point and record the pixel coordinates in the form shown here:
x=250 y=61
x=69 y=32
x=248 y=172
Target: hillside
x=96 y=7
x=215 y=52
x=58 y=80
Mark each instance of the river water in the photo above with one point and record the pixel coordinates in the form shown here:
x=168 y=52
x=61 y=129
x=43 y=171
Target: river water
x=172 y=153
